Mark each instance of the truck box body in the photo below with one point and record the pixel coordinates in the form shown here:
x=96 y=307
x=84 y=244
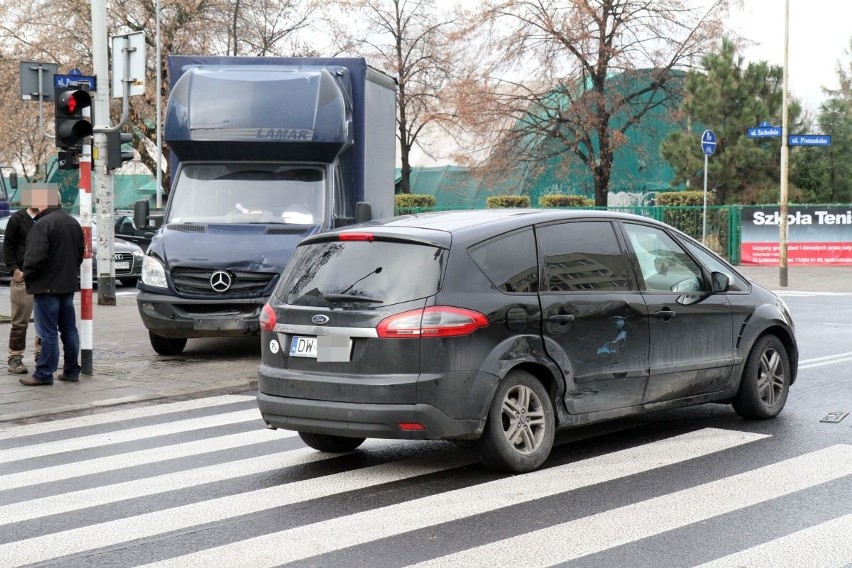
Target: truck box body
x=265 y=151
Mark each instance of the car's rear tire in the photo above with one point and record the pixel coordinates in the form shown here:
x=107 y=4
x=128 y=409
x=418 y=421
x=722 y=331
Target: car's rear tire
x=329 y=443
x=519 y=433
x=765 y=382
x=167 y=345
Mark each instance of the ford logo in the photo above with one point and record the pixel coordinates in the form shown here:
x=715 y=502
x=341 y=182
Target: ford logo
x=320 y=319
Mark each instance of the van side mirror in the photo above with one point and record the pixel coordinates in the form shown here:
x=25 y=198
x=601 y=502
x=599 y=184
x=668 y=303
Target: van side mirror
x=721 y=282
x=141 y=212
x=363 y=212
x=13 y=180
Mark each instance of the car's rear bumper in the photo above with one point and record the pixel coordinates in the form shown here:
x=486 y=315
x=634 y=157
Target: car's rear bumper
x=363 y=420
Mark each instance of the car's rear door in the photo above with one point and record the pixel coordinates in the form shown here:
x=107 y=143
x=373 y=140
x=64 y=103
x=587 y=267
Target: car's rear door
x=594 y=318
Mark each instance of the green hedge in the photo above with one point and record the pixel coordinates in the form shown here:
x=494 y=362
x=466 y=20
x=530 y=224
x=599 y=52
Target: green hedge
x=412 y=200
x=497 y=201
x=556 y=200
x=683 y=198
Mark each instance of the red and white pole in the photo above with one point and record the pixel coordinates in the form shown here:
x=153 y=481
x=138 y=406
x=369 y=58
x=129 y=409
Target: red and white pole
x=85 y=201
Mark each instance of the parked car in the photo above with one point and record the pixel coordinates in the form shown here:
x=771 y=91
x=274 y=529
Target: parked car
x=4 y=272
x=128 y=257
x=502 y=326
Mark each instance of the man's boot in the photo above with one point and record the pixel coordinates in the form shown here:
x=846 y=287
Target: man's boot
x=16 y=365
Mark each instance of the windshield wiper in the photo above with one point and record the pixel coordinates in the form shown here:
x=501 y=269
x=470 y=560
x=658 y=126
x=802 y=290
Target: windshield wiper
x=351 y=298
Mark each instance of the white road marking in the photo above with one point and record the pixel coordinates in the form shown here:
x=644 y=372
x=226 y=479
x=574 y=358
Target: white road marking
x=630 y=523
x=335 y=534
x=119 y=415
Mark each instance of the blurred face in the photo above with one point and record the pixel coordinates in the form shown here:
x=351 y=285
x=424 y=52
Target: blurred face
x=39 y=197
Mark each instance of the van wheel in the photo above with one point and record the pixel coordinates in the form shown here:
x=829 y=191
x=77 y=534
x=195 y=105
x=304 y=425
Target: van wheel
x=330 y=444
x=167 y=345
x=128 y=281
x=519 y=433
x=765 y=381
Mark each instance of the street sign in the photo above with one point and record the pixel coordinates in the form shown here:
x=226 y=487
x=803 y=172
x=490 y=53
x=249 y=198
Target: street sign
x=73 y=80
x=809 y=140
x=708 y=142
x=33 y=72
x=764 y=130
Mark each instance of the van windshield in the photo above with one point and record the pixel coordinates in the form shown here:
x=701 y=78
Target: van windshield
x=244 y=192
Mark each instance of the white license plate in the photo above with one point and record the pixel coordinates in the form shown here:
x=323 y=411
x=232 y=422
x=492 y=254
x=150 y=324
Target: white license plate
x=301 y=346
x=123 y=265
x=326 y=349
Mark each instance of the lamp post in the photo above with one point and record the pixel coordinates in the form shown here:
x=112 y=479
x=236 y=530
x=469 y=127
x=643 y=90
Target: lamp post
x=782 y=227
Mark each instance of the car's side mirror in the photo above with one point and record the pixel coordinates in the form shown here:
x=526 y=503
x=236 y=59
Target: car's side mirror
x=721 y=282
x=13 y=180
x=363 y=212
x=141 y=211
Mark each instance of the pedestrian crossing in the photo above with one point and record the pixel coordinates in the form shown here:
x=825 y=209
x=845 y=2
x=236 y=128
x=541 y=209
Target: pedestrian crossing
x=138 y=487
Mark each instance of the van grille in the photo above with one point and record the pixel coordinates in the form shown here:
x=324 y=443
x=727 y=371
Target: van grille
x=197 y=281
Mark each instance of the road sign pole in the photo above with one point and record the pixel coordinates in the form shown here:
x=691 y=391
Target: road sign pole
x=704 y=224
x=86 y=312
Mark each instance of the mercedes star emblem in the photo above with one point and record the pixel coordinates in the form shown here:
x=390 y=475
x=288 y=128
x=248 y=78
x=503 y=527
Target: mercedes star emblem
x=220 y=281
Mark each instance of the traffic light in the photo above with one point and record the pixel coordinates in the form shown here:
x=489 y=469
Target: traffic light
x=115 y=155
x=71 y=125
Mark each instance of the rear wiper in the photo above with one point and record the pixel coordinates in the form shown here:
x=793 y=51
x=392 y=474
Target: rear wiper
x=350 y=298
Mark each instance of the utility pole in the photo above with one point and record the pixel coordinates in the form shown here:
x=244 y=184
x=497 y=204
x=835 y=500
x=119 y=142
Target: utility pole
x=103 y=182
x=782 y=227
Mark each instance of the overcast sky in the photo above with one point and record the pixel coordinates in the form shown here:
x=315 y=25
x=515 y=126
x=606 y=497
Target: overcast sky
x=819 y=33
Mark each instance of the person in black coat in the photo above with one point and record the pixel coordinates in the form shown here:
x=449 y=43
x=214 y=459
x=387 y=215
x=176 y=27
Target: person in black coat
x=14 y=246
x=52 y=261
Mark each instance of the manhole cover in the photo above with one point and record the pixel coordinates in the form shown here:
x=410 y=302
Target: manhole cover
x=834 y=416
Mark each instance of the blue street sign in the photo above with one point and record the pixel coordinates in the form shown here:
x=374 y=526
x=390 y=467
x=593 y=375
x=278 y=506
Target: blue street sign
x=74 y=80
x=708 y=142
x=764 y=130
x=809 y=140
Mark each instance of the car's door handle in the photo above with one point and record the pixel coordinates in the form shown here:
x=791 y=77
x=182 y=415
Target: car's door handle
x=561 y=317
x=665 y=314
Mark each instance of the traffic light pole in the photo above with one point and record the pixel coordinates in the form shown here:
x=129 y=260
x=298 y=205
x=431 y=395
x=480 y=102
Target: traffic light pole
x=103 y=183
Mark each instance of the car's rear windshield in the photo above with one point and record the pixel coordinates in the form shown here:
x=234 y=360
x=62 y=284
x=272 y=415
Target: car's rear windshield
x=361 y=273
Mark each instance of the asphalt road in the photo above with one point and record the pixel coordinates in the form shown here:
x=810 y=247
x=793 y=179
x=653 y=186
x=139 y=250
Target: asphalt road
x=201 y=482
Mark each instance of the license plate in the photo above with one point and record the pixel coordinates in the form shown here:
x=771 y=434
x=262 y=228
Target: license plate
x=326 y=349
x=301 y=346
x=123 y=265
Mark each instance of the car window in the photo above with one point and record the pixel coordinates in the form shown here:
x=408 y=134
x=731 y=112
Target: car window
x=509 y=262
x=373 y=273
x=582 y=255
x=715 y=264
x=663 y=264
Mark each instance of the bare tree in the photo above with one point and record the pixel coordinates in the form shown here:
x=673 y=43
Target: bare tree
x=412 y=41
x=550 y=89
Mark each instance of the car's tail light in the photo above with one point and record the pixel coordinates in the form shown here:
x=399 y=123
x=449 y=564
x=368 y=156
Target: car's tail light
x=435 y=321
x=355 y=236
x=267 y=318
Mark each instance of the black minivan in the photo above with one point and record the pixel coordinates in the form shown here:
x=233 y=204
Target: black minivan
x=501 y=326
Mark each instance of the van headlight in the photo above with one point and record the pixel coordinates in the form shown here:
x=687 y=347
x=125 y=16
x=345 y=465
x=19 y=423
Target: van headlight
x=153 y=272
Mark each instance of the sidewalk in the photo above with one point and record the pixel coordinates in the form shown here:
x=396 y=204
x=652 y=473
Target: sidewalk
x=126 y=369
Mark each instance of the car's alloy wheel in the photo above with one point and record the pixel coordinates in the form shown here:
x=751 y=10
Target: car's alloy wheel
x=519 y=434
x=766 y=380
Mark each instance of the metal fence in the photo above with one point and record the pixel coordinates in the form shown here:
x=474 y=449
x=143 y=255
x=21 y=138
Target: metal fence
x=723 y=235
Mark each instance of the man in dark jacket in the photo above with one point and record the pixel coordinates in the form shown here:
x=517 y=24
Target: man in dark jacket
x=52 y=261
x=14 y=245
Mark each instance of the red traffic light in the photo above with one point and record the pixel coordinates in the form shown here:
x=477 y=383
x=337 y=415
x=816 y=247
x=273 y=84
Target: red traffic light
x=72 y=101
x=71 y=126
